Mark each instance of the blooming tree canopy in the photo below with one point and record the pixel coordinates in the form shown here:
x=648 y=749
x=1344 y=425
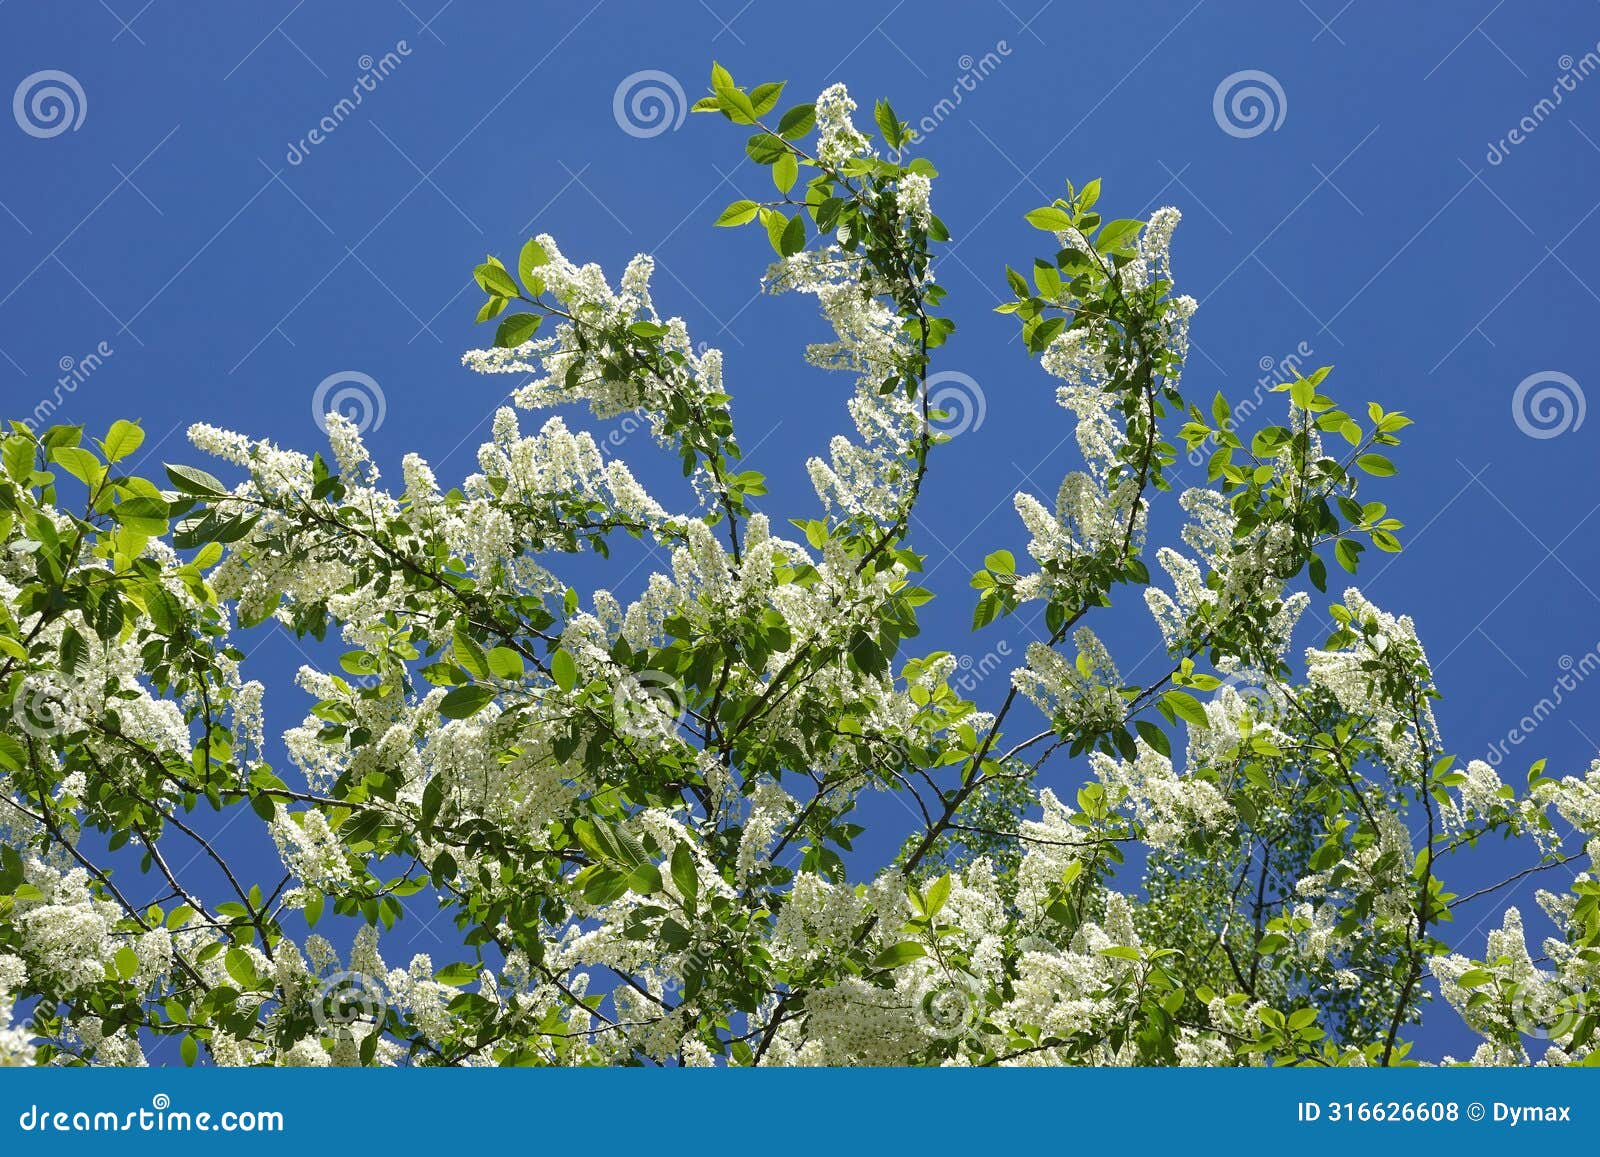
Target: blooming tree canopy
x=641 y=815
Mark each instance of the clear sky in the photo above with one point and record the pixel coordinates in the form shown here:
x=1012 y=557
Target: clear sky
x=1409 y=211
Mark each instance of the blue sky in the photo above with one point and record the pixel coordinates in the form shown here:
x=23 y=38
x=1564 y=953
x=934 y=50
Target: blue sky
x=1387 y=222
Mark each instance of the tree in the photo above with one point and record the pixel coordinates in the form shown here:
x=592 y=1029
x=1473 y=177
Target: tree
x=638 y=816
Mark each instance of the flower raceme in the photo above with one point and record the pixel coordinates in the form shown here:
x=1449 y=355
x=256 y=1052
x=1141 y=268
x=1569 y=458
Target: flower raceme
x=636 y=806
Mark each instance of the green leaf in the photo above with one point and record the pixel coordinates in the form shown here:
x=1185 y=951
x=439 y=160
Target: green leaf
x=1154 y=736
x=12 y=755
x=143 y=516
x=738 y=213
x=493 y=278
x=1186 y=707
x=241 y=967
x=504 y=663
x=457 y=974
x=897 y=954
x=785 y=171
x=18 y=454
x=604 y=885
x=464 y=702
x=764 y=97
x=765 y=148
x=888 y=124
x=684 y=873
x=645 y=880
x=80 y=463
x=178 y=917
x=1347 y=552
x=1051 y=219
x=563 y=670
x=189 y=1048
x=191 y=481
x=1376 y=465
x=123 y=439
x=1001 y=562
x=1117 y=235
x=516 y=329
x=532 y=257
x=797 y=122
x=867 y=654
x=1301 y=1017
x=165 y=612
x=794 y=236
x=126 y=962
x=734 y=102
x=74 y=650
x=468 y=653
x=938 y=893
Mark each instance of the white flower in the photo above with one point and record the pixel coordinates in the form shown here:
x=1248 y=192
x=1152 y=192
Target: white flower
x=914 y=205
x=837 y=138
